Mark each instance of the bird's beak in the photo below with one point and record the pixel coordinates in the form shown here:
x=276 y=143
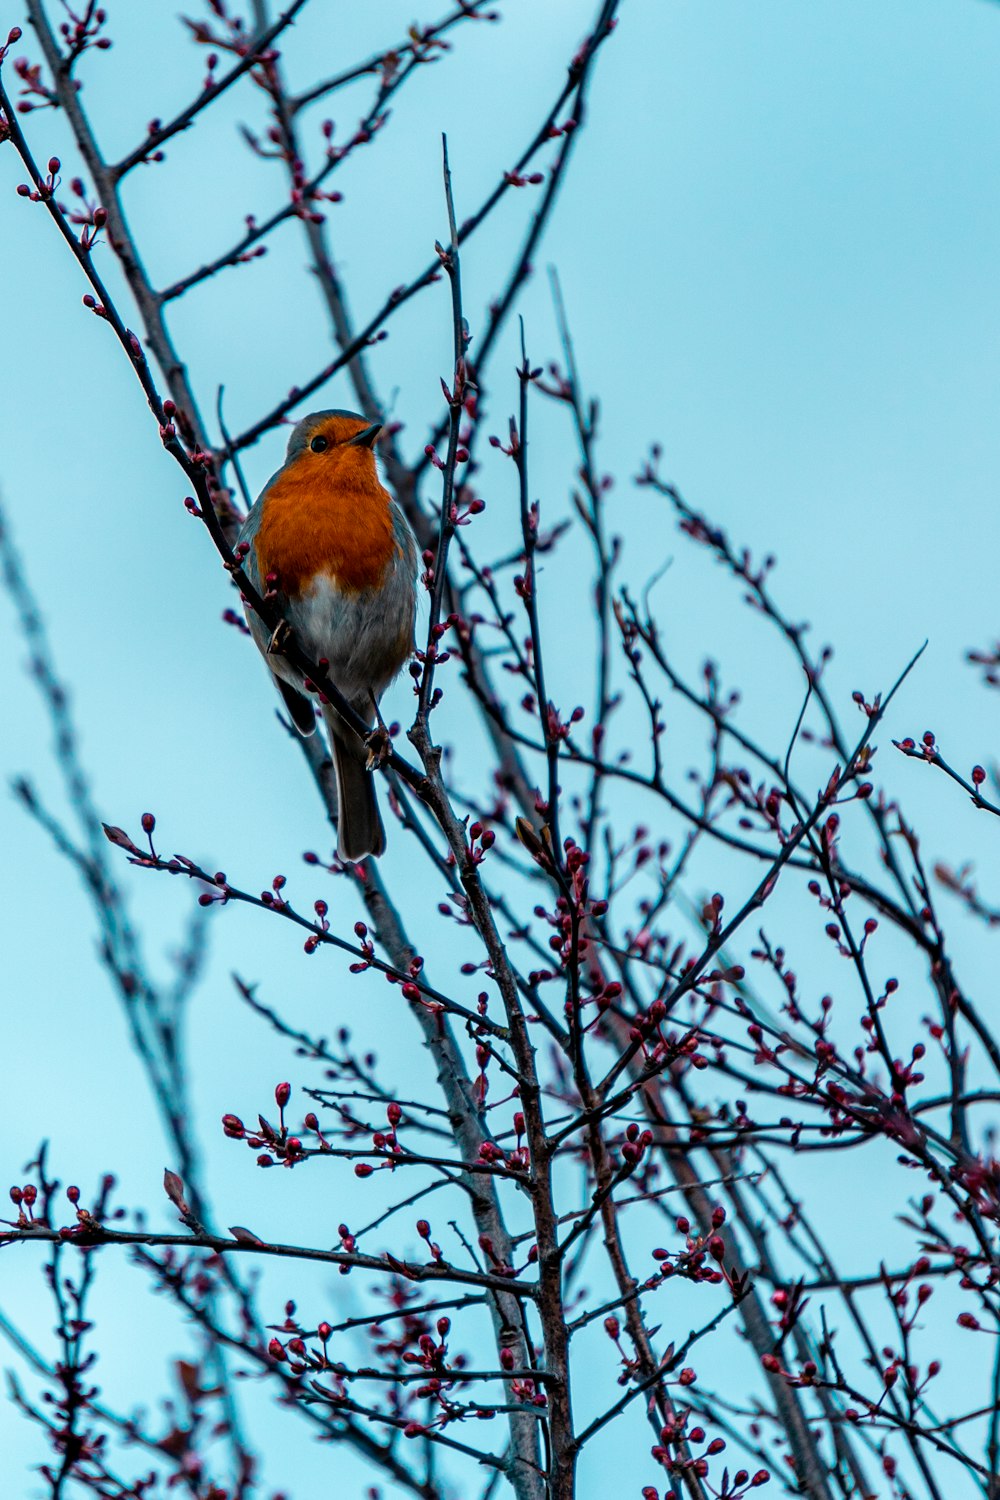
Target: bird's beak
x=366 y=438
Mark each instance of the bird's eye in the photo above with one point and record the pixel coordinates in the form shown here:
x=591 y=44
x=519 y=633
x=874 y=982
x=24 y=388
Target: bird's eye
x=319 y=444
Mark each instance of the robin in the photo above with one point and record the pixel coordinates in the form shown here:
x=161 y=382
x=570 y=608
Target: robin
x=330 y=539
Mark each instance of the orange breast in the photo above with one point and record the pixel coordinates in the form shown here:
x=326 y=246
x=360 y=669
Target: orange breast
x=330 y=518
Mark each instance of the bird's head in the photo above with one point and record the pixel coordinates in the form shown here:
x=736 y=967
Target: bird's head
x=334 y=439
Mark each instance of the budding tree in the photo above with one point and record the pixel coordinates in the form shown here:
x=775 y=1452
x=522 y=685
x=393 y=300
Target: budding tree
x=585 y=1234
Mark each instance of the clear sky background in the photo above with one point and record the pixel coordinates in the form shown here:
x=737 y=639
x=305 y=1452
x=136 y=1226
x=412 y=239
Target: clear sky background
x=778 y=246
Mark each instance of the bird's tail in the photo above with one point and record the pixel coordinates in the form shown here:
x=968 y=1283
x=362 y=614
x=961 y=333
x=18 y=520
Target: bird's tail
x=360 y=830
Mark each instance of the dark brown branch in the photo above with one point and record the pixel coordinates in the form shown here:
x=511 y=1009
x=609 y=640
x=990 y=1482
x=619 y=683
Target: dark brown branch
x=256 y=47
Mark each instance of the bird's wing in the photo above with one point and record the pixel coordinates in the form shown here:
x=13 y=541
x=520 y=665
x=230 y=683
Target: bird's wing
x=300 y=708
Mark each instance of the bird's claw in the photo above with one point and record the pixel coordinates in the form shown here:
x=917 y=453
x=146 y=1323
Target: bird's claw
x=379 y=747
x=279 y=639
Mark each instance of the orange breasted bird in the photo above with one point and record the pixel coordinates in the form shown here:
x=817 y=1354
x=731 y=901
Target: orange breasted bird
x=330 y=539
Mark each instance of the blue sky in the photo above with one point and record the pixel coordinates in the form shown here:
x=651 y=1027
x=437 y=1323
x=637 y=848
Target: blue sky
x=778 y=247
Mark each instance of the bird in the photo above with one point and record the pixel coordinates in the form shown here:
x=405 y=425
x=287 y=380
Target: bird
x=326 y=535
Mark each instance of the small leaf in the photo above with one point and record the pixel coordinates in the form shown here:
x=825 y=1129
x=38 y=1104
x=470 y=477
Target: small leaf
x=245 y=1236
x=528 y=836
x=119 y=838
x=174 y=1189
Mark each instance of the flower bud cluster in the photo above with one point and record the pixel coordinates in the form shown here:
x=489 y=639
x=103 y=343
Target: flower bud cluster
x=674 y=1451
x=275 y=1143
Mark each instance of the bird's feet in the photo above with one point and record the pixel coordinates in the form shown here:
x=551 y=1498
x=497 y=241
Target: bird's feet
x=379 y=746
x=279 y=640
x=379 y=742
